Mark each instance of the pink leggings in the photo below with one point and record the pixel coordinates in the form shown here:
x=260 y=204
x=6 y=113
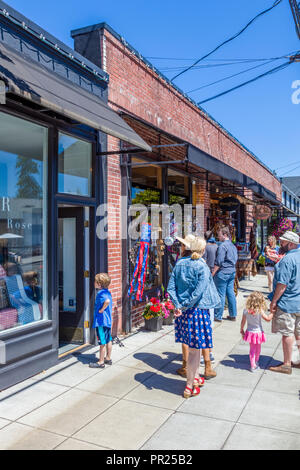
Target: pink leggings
x=254 y=354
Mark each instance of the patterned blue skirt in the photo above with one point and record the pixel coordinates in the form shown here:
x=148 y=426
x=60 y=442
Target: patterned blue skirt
x=193 y=328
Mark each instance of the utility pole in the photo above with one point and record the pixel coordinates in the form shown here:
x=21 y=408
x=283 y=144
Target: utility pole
x=295 y=6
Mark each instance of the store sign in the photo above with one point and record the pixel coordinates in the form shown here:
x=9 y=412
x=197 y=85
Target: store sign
x=229 y=204
x=262 y=212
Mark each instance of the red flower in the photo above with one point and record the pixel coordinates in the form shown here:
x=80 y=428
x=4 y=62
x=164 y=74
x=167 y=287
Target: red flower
x=154 y=300
x=169 y=305
x=155 y=308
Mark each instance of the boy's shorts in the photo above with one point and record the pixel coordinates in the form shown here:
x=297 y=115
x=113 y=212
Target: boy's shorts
x=104 y=335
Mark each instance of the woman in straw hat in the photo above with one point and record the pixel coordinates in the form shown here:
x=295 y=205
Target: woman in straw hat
x=193 y=293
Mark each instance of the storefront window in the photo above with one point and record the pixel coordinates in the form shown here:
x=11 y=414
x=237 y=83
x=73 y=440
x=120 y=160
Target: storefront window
x=23 y=222
x=178 y=193
x=146 y=189
x=74 y=166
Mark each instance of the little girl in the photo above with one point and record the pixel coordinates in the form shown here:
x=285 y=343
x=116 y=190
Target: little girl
x=255 y=310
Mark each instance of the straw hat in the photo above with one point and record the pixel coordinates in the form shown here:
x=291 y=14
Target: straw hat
x=187 y=240
x=291 y=237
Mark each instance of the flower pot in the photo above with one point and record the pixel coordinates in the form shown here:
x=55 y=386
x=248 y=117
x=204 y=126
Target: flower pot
x=169 y=320
x=154 y=324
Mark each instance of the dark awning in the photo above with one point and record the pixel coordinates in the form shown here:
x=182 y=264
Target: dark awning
x=33 y=81
x=215 y=166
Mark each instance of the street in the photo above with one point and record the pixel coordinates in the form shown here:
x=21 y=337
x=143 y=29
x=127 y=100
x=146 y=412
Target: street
x=137 y=403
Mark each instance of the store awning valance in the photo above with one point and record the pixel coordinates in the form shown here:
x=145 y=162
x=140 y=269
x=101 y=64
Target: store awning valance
x=33 y=81
x=217 y=167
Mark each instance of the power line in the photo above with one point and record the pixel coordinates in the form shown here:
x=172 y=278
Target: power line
x=234 y=75
x=277 y=2
x=269 y=72
x=205 y=66
x=285 y=166
x=293 y=169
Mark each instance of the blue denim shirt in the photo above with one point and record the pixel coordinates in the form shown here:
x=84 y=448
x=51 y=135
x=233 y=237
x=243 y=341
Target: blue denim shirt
x=287 y=272
x=191 y=285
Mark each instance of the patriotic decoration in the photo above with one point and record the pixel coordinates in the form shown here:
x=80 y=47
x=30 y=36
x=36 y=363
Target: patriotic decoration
x=136 y=288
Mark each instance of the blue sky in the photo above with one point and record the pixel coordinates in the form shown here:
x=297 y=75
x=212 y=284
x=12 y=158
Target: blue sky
x=261 y=115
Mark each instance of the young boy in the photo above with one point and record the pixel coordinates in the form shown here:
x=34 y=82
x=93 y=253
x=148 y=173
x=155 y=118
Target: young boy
x=102 y=320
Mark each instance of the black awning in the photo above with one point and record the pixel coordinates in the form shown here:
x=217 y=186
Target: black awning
x=215 y=166
x=33 y=81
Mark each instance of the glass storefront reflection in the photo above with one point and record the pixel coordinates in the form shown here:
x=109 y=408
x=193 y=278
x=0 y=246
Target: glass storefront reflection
x=23 y=214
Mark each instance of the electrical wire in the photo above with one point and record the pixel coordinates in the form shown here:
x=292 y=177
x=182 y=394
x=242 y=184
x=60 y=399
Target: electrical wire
x=275 y=4
x=286 y=166
x=293 y=169
x=234 y=75
x=269 y=72
x=206 y=66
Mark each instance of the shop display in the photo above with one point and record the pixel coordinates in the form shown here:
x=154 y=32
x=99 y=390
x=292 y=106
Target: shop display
x=139 y=275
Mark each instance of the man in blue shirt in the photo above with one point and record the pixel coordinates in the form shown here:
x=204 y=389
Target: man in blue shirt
x=285 y=300
x=224 y=274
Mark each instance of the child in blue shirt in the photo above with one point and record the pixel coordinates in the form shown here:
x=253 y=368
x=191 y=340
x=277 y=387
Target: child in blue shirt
x=102 y=320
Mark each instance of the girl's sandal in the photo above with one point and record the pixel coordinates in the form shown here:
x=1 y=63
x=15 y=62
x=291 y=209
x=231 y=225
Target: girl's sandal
x=188 y=392
x=199 y=382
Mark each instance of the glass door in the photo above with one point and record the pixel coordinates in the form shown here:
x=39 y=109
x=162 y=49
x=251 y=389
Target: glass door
x=71 y=277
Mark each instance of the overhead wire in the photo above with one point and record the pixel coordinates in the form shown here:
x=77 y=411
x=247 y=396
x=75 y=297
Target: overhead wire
x=268 y=61
x=232 y=76
x=269 y=72
x=275 y=4
x=293 y=169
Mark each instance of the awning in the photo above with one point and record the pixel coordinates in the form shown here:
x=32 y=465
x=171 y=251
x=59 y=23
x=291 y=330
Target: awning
x=33 y=81
x=215 y=166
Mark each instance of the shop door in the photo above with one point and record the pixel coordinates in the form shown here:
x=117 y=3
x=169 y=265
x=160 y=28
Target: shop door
x=71 y=280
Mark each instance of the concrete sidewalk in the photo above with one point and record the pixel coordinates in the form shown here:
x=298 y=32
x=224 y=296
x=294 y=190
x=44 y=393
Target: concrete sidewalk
x=137 y=403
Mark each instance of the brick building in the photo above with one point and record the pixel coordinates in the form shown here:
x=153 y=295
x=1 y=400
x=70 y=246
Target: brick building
x=193 y=160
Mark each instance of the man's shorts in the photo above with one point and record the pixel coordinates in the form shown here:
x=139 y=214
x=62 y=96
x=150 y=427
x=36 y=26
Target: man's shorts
x=104 y=335
x=287 y=324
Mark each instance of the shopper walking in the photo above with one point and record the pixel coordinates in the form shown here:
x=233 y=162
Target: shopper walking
x=271 y=253
x=192 y=291
x=285 y=299
x=255 y=310
x=224 y=274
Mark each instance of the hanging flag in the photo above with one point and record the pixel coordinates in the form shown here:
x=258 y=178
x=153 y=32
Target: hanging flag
x=136 y=288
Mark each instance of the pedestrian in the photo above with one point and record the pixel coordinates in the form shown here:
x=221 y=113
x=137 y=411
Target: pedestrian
x=103 y=320
x=210 y=258
x=271 y=253
x=210 y=250
x=285 y=300
x=255 y=310
x=224 y=275
x=193 y=293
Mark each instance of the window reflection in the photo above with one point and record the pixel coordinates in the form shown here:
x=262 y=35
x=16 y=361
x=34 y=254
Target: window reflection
x=23 y=214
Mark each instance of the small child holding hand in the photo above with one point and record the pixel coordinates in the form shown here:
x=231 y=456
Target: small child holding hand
x=102 y=320
x=256 y=308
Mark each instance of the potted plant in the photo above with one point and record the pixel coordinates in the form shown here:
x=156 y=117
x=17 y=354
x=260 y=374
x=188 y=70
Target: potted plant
x=153 y=315
x=168 y=310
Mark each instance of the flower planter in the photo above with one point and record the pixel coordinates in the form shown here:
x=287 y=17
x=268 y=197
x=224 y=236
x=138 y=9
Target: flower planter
x=169 y=320
x=154 y=324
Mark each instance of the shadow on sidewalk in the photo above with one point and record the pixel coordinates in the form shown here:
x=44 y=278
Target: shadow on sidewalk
x=159 y=382
x=156 y=361
x=242 y=361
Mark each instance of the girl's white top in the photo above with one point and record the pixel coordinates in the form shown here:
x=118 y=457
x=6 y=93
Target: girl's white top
x=253 y=322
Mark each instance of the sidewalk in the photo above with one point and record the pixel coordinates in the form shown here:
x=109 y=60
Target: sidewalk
x=137 y=403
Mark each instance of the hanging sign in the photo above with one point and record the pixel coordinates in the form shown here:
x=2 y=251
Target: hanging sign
x=229 y=204
x=262 y=212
